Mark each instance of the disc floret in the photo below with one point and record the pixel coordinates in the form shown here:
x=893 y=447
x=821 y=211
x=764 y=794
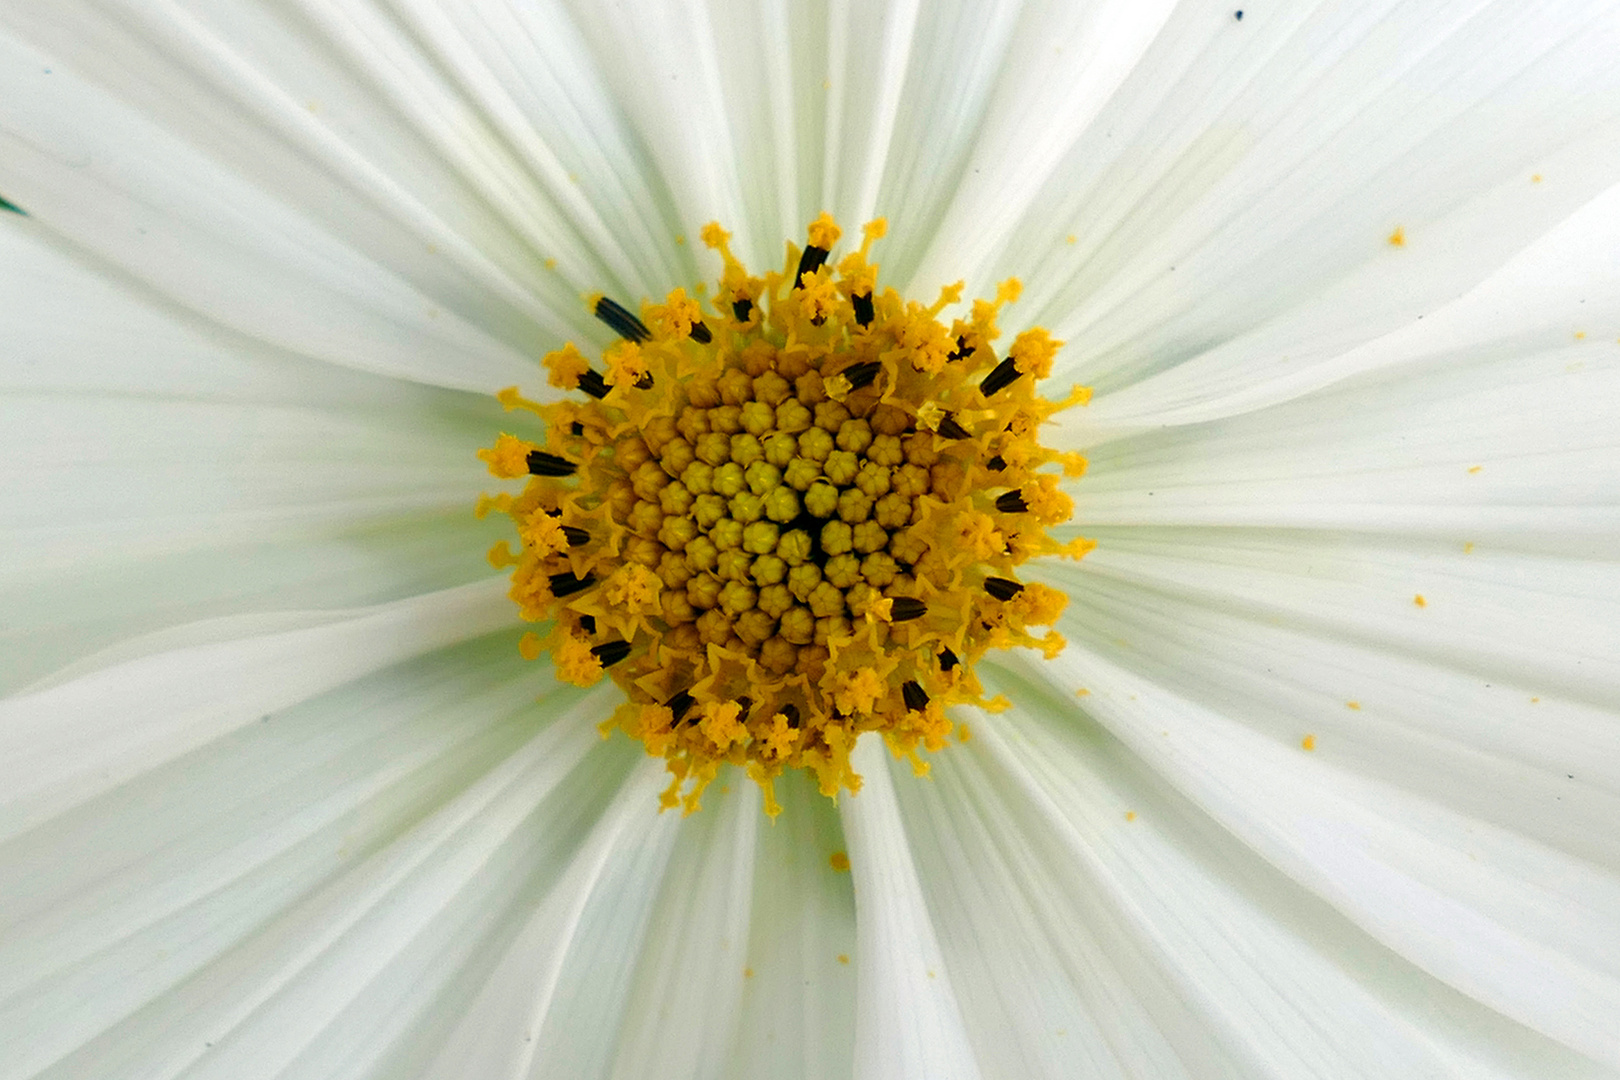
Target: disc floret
x=789 y=516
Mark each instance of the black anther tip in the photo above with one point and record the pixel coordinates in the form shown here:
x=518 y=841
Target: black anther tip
x=864 y=311
x=611 y=652
x=575 y=536
x=1011 y=502
x=621 y=321
x=791 y=711
x=916 y=698
x=678 y=705
x=950 y=429
x=1004 y=374
x=862 y=374
x=947 y=660
x=1002 y=588
x=593 y=384
x=907 y=608
x=813 y=259
x=544 y=464
x=996 y=464
x=701 y=334
x=742 y=309
x=567 y=584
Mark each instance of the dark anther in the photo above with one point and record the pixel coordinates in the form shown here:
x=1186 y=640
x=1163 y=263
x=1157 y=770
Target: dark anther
x=742 y=309
x=862 y=303
x=576 y=428
x=743 y=705
x=587 y=623
x=1011 y=502
x=1005 y=374
x=700 y=333
x=962 y=351
x=947 y=660
x=860 y=375
x=544 y=464
x=620 y=321
x=916 y=697
x=611 y=652
x=576 y=537
x=949 y=428
x=791 y=711
x=906 y=608
x=1002 y=588
x=813 y=259
x=996 y=464
x=678 y=705
x=593 y=384
x=645 y=382
x=567 y=584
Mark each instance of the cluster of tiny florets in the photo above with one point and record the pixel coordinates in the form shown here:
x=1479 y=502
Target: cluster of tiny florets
x=788 y=519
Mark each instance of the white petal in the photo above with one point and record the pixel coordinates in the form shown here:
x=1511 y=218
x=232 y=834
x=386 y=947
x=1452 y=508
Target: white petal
x=1233 y=203
x=1239 y=970
x=1505 y=447
x=304 y=883
x=1425 y=852
x=63 y=745
x=798 y=1010
x=908 y=1022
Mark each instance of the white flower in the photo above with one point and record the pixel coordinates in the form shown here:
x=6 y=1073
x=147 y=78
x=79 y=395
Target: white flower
x=1343 y=798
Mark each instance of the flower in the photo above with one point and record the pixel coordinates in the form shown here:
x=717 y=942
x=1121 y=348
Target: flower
x=1324 y=783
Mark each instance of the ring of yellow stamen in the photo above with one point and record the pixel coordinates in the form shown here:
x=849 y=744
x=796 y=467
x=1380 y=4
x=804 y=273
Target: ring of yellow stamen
x=789 y=518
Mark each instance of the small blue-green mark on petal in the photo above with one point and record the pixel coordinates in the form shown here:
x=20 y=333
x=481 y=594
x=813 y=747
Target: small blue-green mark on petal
x=6 y=204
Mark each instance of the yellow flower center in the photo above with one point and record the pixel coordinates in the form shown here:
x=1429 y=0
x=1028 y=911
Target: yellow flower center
x=790 y=518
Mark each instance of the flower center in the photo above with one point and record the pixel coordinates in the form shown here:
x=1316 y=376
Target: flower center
x=789 y=519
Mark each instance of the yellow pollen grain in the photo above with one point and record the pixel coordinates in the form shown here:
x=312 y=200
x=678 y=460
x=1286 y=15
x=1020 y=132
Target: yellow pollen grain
x=1419 y=601
x=839 y=861
x=1468 y=547
x=1398 y=237
x=1580 y=335
x=843 y=958
x=1535 y=178
x=1308 y=742
x=1082 y=692
x=1535 y=701
x=1130 y=815
x=794 y=510
x=1475 y=469
x=748 y=973
x=1355 y=705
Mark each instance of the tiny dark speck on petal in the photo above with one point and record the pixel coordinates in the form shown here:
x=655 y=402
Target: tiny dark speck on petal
x=1238 y=15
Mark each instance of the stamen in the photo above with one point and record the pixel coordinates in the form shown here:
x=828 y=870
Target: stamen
x=1011 y=502
x=907 y=608
x=813 y=259
x=1004 y=375
x=770 y=523
x=611 y=652
x=864 y=311
x=564 y=585
x=544 y=464
x=862 y=374
x=1002 y=588
x=621 y=321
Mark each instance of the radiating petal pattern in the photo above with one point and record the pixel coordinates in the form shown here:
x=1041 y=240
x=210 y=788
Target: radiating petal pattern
x=1327 y=782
